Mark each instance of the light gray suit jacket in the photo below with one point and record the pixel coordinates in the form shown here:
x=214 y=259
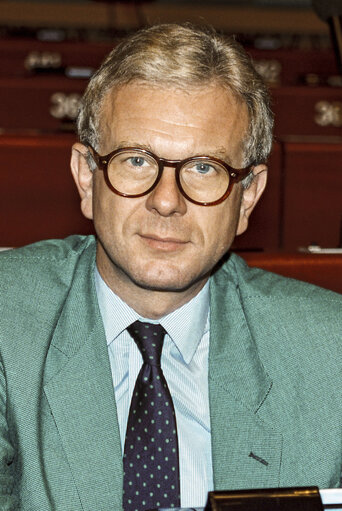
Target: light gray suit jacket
x=274 y=382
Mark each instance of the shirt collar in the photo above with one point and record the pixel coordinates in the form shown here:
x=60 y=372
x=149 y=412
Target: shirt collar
x=186 y=325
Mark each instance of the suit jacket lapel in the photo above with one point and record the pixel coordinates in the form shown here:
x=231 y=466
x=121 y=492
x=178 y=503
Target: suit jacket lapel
x=246 y=449
x=79 y=389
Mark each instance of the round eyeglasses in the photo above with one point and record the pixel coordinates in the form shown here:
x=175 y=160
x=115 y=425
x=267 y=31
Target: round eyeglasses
x=133 y=172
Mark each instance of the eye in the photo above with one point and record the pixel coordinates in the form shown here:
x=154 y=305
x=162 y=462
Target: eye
x=137 y=161
x=203 y=168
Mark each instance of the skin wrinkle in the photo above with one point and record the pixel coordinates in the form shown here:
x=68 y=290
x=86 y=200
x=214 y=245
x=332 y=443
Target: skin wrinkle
x=167 y=127
x=220 y=153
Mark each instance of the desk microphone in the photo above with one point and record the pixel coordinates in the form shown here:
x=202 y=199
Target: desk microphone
x=331 y=12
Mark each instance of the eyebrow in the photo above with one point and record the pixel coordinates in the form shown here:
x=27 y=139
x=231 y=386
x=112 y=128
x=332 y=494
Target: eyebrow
x=219 y=152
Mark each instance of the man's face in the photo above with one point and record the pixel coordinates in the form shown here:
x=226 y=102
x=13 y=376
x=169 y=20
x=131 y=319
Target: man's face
x=161 y=241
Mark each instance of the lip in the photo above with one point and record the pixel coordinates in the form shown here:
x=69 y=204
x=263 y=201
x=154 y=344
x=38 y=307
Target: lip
x=167 y=244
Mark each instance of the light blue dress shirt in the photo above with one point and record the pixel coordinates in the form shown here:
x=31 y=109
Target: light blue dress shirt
x=185 y=365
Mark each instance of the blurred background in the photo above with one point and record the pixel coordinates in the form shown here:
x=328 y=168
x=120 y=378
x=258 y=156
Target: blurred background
x=48 y=51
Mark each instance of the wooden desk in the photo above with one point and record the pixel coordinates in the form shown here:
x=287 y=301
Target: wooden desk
x=324 y=270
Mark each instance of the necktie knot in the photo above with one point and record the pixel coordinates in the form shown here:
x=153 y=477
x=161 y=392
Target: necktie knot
x=149 y=338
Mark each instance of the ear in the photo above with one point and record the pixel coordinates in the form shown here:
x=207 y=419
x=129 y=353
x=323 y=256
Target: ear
x=251 y=195
x=83 y=178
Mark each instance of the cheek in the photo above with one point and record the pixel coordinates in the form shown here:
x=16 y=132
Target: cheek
x=114 y=216
x=224 y=236
x=220 y=229
x=105 y=209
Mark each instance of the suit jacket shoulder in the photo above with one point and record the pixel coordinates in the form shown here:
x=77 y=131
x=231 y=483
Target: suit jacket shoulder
x=36 y=279
x=43 y=261
x=286 y=318
x=271 y=301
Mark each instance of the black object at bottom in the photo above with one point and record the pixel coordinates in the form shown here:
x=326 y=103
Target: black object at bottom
x=269 y=499
x=266 y=499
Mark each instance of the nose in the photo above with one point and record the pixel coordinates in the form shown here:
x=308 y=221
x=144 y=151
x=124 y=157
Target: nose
x=166 y=199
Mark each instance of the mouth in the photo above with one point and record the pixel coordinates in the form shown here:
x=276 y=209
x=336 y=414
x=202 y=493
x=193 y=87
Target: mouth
x=166 y=244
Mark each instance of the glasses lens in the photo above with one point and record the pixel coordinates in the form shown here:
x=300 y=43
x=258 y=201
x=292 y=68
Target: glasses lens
x=204 y=180
x=132 y=172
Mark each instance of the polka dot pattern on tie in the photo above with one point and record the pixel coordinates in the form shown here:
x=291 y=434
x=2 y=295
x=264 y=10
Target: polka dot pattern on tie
x=151 y=467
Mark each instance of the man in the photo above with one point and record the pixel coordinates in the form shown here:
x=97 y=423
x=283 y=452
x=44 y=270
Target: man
x=175 y=130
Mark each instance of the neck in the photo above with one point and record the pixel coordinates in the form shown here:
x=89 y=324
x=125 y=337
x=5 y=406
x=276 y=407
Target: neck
x=154 y=304
x=148 y=303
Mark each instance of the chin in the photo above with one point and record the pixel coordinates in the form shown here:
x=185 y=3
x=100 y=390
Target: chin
x=163 y=279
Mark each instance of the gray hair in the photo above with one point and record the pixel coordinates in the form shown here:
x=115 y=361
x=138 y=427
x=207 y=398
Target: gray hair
x=182 y=57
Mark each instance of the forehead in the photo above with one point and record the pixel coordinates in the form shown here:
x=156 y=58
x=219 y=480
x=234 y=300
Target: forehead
x=201 y=120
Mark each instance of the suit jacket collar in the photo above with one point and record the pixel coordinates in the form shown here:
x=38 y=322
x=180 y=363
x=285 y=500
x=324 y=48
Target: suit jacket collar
x=79 y=389
x=245 y=449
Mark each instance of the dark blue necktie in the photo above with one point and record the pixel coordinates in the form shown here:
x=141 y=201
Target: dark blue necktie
x=151 y=466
